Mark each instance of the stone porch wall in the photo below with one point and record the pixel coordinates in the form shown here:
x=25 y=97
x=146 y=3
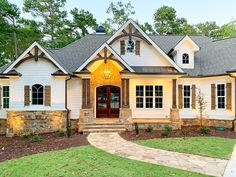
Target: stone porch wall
x=19 y=122
x=3 y=126
x=208 y=122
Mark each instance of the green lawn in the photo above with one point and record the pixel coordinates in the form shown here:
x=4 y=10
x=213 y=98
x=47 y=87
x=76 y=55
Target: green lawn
x=205 y=146
x=85 y=161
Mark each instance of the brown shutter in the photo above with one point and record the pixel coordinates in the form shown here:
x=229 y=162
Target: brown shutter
x=122 y=47
x=137 y=47
x=0 y=97
x=47 y=98
x=193 y=96
x=180 y=96
x=213 y=96
x=27 y=95
x=229 y=96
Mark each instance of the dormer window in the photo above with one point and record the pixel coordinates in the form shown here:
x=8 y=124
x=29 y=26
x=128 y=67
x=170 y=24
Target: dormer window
x=185 y=58
x=130 y=46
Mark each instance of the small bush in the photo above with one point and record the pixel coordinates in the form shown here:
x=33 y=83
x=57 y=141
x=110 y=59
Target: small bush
x=165 y=133
x=184 y=132
x=25 y=136
x=205 y=130
x=149 y=129
x=136 y=128
x=61 y=133
x=35 y=138
x=168 y=128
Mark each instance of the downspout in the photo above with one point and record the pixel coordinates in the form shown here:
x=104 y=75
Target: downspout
x=68 y=124
x=233 y=127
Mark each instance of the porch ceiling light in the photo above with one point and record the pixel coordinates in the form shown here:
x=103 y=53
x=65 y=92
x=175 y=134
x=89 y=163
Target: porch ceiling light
x=107 y=72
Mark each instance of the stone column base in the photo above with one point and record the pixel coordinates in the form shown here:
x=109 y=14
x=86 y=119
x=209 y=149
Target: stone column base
x=234 y=126
x=3 y=126
x=175 y=118
x=86 y=116
x=126 y=117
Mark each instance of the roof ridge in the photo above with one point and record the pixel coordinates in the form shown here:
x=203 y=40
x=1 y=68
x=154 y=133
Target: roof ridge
x=218 y=40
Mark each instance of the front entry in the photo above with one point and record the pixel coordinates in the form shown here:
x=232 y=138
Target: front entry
x=107 y=101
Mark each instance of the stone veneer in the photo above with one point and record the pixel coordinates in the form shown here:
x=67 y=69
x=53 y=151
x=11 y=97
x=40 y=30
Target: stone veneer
x=36 y=121
x=3 y=125
x=208 y=122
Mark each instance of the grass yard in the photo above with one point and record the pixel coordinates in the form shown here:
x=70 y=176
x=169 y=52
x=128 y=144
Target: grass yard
x=85 y=161
x=205 y=146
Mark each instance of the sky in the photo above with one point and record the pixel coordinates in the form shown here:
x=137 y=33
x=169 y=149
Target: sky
x=195 y=11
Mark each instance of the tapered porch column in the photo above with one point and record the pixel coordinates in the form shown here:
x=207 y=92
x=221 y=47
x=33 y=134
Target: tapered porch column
x=174 y=95
x=85 y=93
x=125 y=93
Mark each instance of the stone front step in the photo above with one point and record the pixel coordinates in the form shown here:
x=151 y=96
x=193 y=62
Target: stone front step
x=103 y=130
x=103 y=127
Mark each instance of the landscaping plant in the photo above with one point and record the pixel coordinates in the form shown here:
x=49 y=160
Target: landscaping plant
x=149 y=129
x=61 y=133
x=136 y=128
x=35 y=138
x=167 y=130
x=25 y=136
x=205 y=130
x=201 y=104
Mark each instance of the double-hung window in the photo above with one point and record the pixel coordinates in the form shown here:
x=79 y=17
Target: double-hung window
x=149 y=96
x=139 y=96
x=37 y=94
x=158 y=96
x=5 y=96
x=221 y=96
x=187 y=96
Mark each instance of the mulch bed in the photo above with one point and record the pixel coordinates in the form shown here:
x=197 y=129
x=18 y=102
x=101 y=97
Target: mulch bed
x=191 y=132
x=16 y=147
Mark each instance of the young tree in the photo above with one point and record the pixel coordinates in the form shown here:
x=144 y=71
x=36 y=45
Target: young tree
x=201 y=104
x=120 y=14
x=210 y=29
x=147 y=28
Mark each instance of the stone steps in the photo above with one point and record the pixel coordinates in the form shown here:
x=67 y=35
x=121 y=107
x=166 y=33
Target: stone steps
x=103 y=127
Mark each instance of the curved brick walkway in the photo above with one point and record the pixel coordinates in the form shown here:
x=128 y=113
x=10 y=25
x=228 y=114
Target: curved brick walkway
x=114 y=144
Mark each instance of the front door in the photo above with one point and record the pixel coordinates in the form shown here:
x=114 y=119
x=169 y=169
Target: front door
x=108 y=101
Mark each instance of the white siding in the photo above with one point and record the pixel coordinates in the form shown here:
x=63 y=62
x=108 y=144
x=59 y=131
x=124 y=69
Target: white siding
x=37 y=73
x=205 y=85
x=149 y=56
x=151 y=112
x=3 y=113
x=75 y=97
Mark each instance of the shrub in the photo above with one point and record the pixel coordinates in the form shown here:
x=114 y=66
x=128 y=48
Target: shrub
x=25 y=136
x=61 y=133
x=205 y=130
x=184 y=132
x=149 y=129
x=136 y=128
x=36 y=138
x=165 y=133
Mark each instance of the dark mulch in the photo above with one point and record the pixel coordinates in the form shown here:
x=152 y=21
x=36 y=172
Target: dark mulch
x=191 y=132
x=16 y=147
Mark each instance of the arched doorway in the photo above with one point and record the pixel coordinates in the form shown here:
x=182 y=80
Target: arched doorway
x=107 y=101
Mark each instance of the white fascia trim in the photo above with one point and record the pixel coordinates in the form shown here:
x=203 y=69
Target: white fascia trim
x=25 y=53
x=150 y=40
x=195 y=46
x=100 y=49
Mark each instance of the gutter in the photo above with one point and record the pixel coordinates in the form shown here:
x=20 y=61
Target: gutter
x=68 y=123
x=233 y=122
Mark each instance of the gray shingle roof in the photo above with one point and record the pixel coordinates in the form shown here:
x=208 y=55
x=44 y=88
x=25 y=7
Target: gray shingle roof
x=154 y=69
x=213 y=58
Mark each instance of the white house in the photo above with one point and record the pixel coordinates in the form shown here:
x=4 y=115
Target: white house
x=125 y=77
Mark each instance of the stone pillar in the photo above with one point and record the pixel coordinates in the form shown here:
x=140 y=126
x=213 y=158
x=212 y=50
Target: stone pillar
x=3 y=126
x=175 y=118
x=234 y=126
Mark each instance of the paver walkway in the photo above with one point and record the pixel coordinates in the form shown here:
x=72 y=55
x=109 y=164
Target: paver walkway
x=230 y=170
x=114 y=144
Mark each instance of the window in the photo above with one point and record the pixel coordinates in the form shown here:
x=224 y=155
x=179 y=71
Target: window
x=185 y=58
x=139 y=96
x=5 y=97
x=37 y=94
x=130 y=46
x=149 y=96
x=187 y=96
x=158 y=96
x=221 y=96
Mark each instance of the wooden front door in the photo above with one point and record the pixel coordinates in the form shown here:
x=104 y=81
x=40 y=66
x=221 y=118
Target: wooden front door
x=107 y=101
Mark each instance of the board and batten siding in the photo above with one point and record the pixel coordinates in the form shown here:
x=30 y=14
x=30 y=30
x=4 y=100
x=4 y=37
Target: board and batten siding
x=151 y=112
x=37 y=73
x=74 y=97
x=205 y=85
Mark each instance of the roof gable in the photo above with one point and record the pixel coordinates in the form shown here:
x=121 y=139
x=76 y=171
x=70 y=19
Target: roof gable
x=187 y=38
x=27 y=52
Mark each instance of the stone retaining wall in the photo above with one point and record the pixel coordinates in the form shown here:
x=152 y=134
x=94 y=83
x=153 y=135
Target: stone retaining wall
x=19 y=122
x=3 y=126
x=154 y=125
x=208 y=122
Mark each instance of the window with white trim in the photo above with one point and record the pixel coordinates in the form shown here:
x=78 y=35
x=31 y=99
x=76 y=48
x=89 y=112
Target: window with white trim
x=185 y=58
x=139 y=96
x=37 y=94
x=221 y=100
x=130 y=46
x=149 y=96
x=187 y=96
x=5 y=96
x=158 y=96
